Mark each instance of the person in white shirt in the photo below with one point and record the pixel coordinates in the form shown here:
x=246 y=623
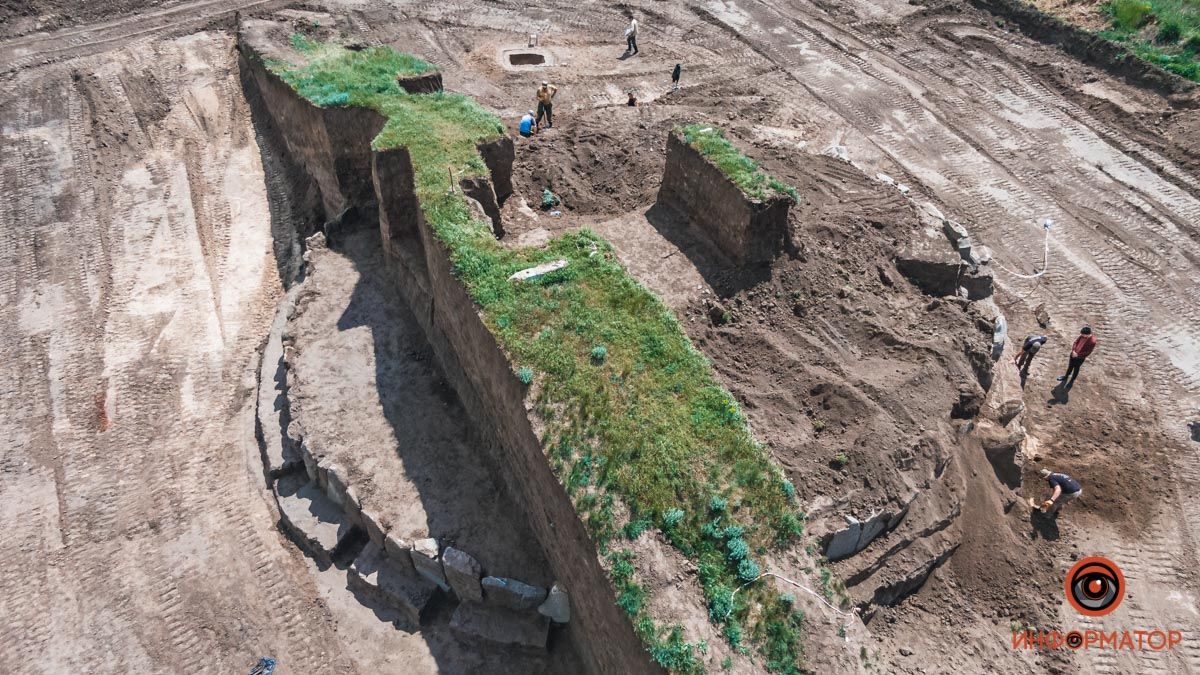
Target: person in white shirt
x=631 y=37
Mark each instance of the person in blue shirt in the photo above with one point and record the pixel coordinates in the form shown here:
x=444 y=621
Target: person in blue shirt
x=528 y=127
x=1028 y=350
x=1066 y=489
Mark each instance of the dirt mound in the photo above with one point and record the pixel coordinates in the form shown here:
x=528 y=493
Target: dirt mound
x=603 y=161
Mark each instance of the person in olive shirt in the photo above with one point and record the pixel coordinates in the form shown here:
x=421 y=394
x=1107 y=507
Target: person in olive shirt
x=545 y=106
x=1066 y=489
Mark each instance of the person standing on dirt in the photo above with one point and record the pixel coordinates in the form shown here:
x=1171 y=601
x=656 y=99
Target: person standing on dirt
x=631 y=37
x=1083 y=347
x=1028 y=350
x=545 y=99
x=1066 y=489
x=675 y=76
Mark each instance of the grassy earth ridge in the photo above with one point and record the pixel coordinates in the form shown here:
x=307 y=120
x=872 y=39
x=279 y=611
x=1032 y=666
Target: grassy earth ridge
x=638 y=430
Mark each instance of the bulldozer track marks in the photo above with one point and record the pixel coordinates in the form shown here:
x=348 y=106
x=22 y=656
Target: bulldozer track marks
x=117 y=241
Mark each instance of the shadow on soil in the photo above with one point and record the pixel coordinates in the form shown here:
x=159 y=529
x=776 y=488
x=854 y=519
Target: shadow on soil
x=444 y=456
x=725 y=278
x=1044 y=527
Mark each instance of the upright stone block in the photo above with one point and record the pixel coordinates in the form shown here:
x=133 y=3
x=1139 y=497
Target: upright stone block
x=557 y=606
x=427 y=560
x=462 y=573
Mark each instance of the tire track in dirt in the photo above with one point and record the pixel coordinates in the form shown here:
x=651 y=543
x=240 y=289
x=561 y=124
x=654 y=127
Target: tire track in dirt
x=166 y=556
x=44 y=48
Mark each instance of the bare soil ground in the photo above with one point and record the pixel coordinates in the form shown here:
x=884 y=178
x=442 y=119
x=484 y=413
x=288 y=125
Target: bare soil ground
x=364 y=385
x=138 y=279
x=366 y=389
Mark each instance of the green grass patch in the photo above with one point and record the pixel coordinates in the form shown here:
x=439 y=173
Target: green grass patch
x=739 y=168
x=1163 y=32
x=633 y=413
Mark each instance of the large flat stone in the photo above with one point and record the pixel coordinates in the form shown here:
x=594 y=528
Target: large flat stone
x=873 y=527
x=462 y=573
x=500 y=626
x=340 y=491
x=395 y=584
x=428 y=561
x=375 y=529
x=315 y=522
x=938 y=269
x=512 y=594
x=557 y=606
x=844 y=542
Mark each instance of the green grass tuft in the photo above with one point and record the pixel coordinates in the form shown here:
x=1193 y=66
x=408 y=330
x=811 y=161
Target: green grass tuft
x=1163 y=32
x=1168 y=33
x=739 y=168
x=1129 y=15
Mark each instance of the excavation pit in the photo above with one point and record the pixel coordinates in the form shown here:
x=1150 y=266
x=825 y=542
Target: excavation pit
x=526 y=59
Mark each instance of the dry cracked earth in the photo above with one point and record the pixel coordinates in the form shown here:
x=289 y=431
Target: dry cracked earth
x=147 y=238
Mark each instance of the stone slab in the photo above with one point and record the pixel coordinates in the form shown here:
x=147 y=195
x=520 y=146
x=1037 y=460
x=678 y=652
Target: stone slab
x=375 y=529
x=310 y=517
x=399 y=586
x=280 y=454
x=428 y=562
x=557 y=606
x=844 y=543
x=500 y=626
x=398 y=549
x=462 y=573
x=512 y=594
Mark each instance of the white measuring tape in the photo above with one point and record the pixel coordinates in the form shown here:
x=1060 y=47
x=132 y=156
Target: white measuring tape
x=797 y=584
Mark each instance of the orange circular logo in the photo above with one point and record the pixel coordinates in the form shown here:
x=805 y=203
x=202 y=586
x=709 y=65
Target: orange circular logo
x=1095 y=586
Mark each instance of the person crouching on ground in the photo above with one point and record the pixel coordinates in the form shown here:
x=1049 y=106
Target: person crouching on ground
x=528 y=123
x=1066 y=489
x=545 y=106
x=1083 y=347
x=1028 y=350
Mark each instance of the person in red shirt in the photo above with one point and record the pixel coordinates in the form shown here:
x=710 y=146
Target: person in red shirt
x=1084 y=344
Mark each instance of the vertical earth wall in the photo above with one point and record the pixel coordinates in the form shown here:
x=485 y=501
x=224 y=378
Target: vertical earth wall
x=333 y=146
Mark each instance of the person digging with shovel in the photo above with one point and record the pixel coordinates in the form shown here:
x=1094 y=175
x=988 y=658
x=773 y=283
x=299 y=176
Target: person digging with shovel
x=1066 y=489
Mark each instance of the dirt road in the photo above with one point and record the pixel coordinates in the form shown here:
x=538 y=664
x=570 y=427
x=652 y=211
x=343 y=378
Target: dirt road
x=137 y=279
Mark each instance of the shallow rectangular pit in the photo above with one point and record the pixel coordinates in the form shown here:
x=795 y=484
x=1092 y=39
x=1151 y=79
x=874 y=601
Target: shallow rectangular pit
x=526 y=59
